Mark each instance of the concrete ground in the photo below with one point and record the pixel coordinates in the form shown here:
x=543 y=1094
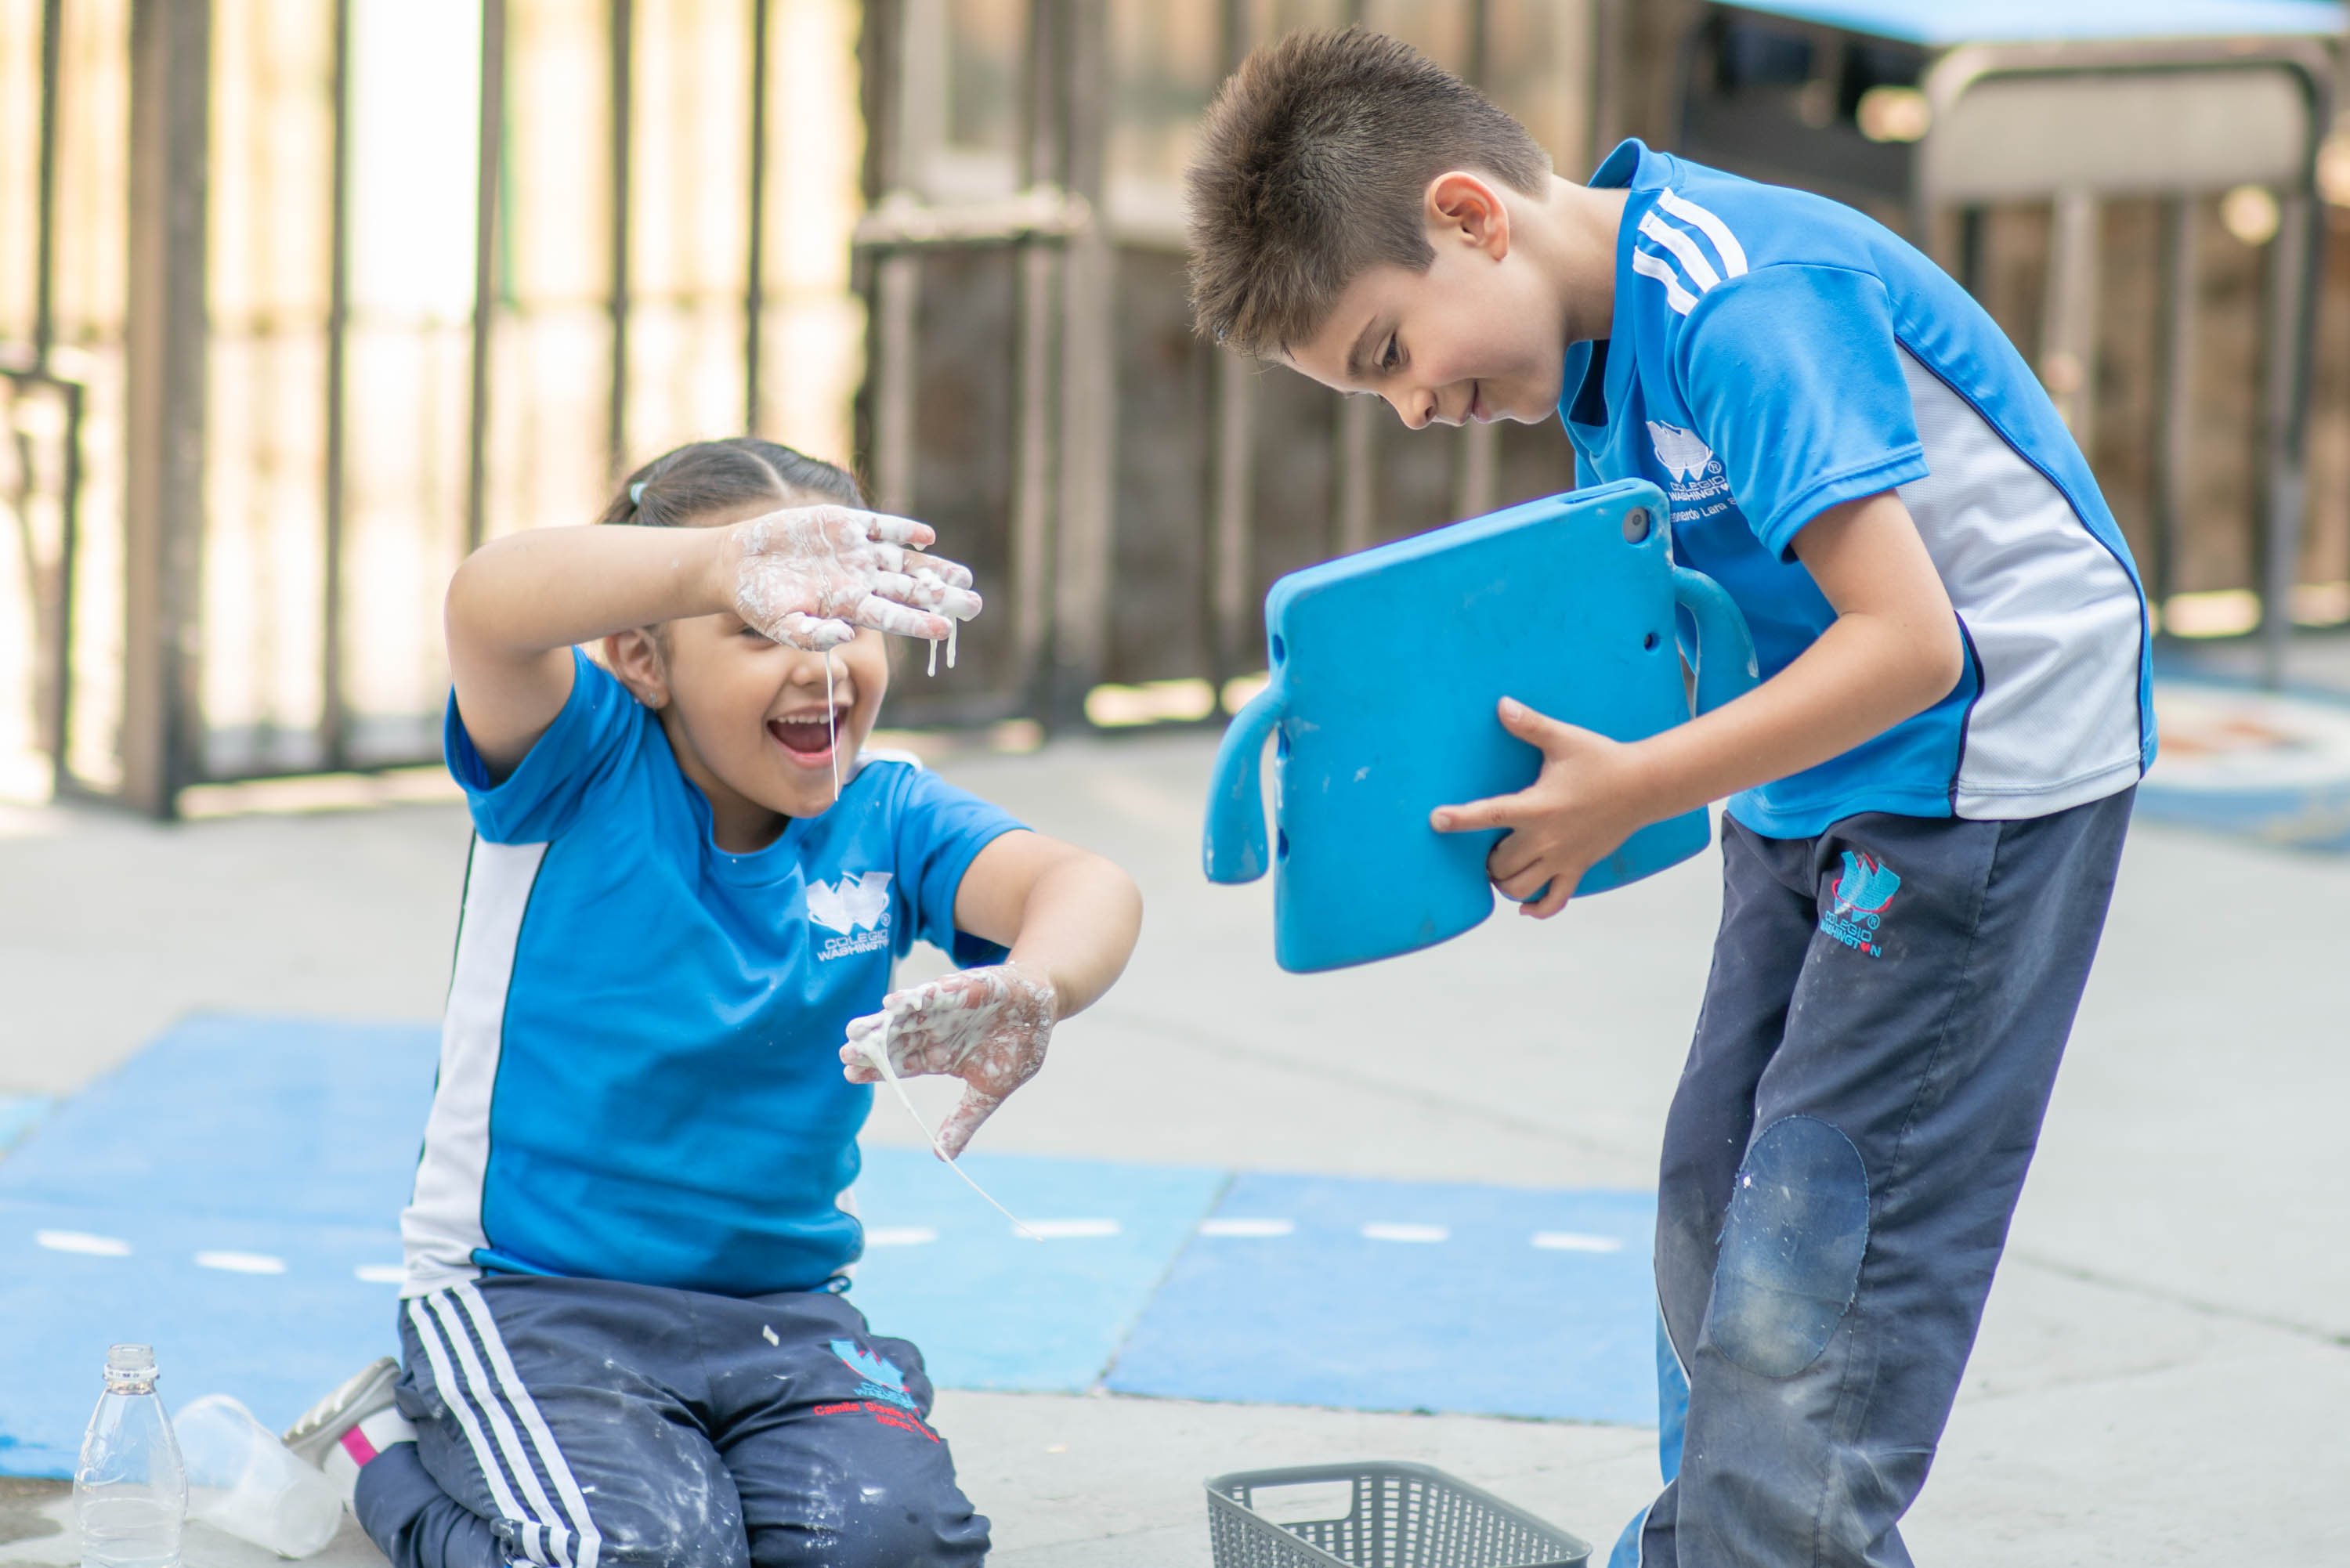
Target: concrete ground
x=2163 y=1373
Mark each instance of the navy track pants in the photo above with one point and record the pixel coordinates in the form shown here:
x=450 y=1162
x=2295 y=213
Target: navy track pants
x=581 y=1422
x=1880 y=1035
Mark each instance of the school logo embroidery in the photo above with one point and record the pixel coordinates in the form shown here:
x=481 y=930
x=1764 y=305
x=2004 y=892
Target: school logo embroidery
x=882 y=1378
x=881 y=1395
x=857 y=906
x=1694 y=475
x=1857 y=906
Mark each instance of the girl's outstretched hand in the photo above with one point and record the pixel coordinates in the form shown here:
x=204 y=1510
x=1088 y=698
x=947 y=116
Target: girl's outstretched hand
x=808 y=576
x=987 y=1026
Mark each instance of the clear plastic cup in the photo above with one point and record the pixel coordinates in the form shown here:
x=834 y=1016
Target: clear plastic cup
x=241 y=1478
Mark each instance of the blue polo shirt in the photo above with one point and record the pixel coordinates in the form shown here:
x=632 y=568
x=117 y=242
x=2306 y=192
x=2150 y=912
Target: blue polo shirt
x=1774 y=354
x=639 y=1069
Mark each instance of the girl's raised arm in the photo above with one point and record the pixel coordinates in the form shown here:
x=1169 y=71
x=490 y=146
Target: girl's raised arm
x=806 y=576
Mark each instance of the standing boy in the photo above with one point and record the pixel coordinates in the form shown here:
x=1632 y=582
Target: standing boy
x=1926 y=797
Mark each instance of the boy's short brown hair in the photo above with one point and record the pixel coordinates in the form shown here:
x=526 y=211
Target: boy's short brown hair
x=1312 y=166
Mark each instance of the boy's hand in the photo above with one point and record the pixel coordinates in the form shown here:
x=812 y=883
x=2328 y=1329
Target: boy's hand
x=808 y=576
x=1587 y=800
x=987 y=1026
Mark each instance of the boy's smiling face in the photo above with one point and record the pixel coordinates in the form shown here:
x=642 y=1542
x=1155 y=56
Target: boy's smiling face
x=1481 y=335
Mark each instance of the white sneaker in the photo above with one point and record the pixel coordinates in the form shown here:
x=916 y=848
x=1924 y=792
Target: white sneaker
x=361 y=1395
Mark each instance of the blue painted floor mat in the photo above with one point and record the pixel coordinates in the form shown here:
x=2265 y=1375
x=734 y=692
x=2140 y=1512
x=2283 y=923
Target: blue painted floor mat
x=273 y=1118
x=1409 y=1296
x=995 y=1310
x=276 y=1313
x=232 y=1194
x=18 y=1113
x=219 y=1195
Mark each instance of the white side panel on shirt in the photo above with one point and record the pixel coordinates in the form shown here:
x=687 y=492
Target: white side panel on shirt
x=442 y=1224
x=2055 y=618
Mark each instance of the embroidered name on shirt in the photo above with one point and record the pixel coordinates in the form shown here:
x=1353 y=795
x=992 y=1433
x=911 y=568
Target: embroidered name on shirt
x=864 y=942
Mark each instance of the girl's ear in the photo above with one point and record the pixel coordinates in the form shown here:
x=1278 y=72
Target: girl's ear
x=636 y=660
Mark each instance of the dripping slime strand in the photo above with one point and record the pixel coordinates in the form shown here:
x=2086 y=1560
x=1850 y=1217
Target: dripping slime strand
x=877 y=1051
x=953 y=627
x=832 y=723
x=934 y=656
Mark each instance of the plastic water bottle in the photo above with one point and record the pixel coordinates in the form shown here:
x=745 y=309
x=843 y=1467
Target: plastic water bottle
x=241 y=1478
x=130 y=1492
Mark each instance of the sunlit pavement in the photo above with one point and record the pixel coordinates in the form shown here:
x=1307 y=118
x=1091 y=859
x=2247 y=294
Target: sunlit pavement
x=2165 y=1359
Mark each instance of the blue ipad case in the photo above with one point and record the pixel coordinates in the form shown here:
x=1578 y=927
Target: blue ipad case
x=1386 y=670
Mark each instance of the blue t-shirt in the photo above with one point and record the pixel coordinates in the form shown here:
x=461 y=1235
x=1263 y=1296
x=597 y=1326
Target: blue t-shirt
x=1774 y=354
x=639 y=1070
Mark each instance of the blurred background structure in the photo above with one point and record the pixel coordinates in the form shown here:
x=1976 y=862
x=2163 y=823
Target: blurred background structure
x=300 y=299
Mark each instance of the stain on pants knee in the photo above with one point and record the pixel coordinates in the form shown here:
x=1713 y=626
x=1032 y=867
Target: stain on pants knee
x=1791 y=1243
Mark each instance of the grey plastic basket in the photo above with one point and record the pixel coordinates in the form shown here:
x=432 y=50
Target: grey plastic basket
x=1399 y=1516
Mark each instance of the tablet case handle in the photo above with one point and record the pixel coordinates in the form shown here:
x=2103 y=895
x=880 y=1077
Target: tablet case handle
x=1234 y=847
x=1725 y=648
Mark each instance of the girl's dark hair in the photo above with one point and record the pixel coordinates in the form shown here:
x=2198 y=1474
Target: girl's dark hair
x=707 y=476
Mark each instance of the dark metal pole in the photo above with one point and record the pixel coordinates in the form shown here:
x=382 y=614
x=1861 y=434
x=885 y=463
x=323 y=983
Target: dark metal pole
x=69 y=534
x=616 y=429
x=1035 y=338
x=1607 y=52
x=1353 y=451
x=491 y=137
x=754 y=287
x=46 y=235
x=1974 y=248
x=2175 y=414
x=44 y=334
x=333 y=735
x=1231 y=451
x=1477 y=452
x=1082 y=579
x=164 y=394
x=2294 y=271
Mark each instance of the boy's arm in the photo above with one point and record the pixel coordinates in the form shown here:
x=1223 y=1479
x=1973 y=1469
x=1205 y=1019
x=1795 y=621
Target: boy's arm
x=518 y=604
x=1070 y=919
x=1893 y=651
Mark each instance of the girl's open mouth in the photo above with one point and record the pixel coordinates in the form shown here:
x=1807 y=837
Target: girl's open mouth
x=808 y=737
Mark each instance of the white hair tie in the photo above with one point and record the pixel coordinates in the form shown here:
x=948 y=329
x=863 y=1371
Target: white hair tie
x=636 y=494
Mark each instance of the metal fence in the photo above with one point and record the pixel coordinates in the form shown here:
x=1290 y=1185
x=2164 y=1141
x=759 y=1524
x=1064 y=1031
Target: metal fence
x=1034 y=389
x=322 y=293
x=302 y=299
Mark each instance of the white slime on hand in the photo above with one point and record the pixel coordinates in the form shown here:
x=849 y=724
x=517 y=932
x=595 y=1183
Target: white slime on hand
x=876 y=1048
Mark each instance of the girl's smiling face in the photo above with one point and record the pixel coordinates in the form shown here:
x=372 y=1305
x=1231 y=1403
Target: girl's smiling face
x=754 y=725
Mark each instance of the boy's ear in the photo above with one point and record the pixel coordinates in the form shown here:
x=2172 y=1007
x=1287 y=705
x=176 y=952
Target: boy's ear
x=635 y=659
x=1463 y=206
